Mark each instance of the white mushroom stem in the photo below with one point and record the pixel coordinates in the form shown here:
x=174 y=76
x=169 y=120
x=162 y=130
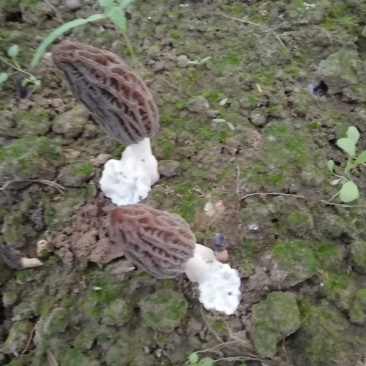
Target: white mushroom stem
x=129 y=180
x=30 y=262
x=219 y=284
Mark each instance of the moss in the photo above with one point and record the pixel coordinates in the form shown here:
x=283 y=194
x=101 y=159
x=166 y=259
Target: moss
x=212 y=95
x=13 y=230
x=55 y=322
x=233 y=58
x=296 y=262
x=358 y=252
x=323 y=340
x=18 y=337
x=163 y=310
x=339 y=288
x=174 y=33
x=273 y=319
x=34 y=122
x=85 y=339
x=30 y=158
x=358 y=308
x=117 y=312
x=58 y=214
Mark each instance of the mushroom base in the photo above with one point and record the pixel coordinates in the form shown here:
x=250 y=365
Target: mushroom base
x=219 y=284
x=129 y=180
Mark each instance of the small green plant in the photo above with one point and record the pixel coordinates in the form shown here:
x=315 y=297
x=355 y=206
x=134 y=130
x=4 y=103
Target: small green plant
x=114 y=10
x=349 y=190
x=29 y=83
x=194 y=360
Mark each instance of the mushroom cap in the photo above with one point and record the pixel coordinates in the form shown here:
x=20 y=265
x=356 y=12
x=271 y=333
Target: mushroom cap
x=158 y=241
x=118 y=99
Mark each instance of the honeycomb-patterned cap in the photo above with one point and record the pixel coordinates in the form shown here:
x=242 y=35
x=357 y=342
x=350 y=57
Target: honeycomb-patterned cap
x=116 y=96
x=157 y=241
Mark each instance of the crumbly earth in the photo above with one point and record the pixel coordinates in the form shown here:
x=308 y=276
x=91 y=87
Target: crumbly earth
x=243 y=147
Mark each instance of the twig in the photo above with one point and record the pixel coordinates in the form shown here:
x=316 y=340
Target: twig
x=237 y=179
x=57 y=14
x=31 y=334
x=298 y=196
x=267 y=30
x=59 y=187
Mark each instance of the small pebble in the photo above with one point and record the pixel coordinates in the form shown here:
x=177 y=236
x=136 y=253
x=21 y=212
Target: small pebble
x=72 y=4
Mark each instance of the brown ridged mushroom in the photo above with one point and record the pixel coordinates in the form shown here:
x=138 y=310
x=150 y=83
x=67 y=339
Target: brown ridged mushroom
x=123 y=106
x=15 y=259
x=157 y=241
x=117 y=97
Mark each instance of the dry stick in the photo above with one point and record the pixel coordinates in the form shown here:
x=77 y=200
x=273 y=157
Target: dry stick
x=266 y=29
x=59 y=187
x=236 y=340
x=53 y=8
x=298 y=196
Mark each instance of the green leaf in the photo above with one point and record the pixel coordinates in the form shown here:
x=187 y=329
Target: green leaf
x=207 y=361
x=353 y=134
x=118 y=18
x=107 y=3
x=3 y=77
x=349 y=192
x=124 y=3
x=58 y=32
x=361 y=159
x=347 y=145
x=231 y=126
x=330 y=165
x=13 y=51
x=193 y=358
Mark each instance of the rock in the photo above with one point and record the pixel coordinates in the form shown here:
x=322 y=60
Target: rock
x=117 y=313
x=118 y=354
x=326 y=337
x=101 y=159
x=358 y=253
x=30 y=158
x=18 y=337
x=258 y=117
x=71 y=123
x=72 y=4
x=33 y=122
x=182 y=61
x=75 y=175
x=153 y=51
x=55 y=322
x=355 y=93
x=291 y=263
x=9 y=298
x=85 y=339
x=273 y=319
x=163 y=310
x=358 y=308
x=339 y=288
x=198 y=105
x=169 y=168
x=339 y=71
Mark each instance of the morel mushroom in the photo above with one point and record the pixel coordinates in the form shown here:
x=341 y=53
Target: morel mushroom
x=163 y=244
x=123 y=106
x=15 y=259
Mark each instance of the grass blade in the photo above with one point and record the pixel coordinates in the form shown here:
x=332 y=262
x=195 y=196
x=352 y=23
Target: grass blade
x=58 y=32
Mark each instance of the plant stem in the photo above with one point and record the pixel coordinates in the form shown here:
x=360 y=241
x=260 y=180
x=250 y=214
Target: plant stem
x=348 y=166
x=129 y=46
x=16 y=66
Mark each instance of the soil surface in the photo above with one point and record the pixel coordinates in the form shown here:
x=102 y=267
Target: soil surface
x=252 y=97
